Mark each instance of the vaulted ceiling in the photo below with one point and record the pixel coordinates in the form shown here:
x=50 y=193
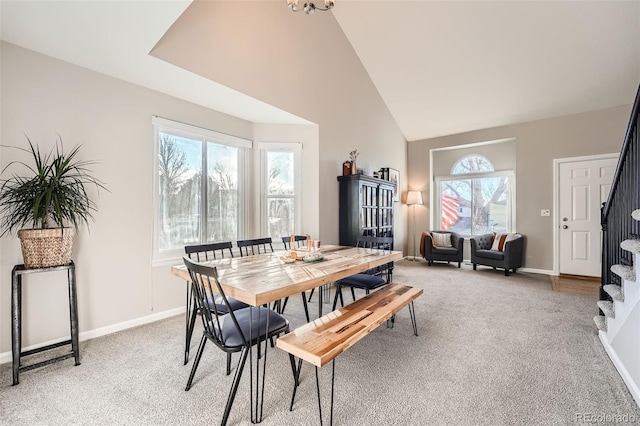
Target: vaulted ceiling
x=441 y=67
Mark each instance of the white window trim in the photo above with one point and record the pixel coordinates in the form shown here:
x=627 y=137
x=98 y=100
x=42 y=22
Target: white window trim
x=296 y=148
x=200 y=132
x=171 y=257
x=469 y=176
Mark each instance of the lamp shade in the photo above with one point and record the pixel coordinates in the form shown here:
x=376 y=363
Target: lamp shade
x=414 y=197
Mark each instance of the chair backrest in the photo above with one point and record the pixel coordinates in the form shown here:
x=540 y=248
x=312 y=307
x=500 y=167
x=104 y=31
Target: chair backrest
x=299 y=240
x=207 y=287
x=255 y=246
x=380 y=243
x=210 y=251
x=455 y=238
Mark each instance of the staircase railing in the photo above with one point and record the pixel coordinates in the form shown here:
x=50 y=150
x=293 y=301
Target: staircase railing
x=624 y=197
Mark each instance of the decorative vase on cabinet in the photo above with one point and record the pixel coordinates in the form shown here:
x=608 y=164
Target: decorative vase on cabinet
x=366 y=208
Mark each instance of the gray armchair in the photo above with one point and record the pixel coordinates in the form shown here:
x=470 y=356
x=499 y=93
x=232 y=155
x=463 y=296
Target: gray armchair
x=431 y=252
x=508 y=259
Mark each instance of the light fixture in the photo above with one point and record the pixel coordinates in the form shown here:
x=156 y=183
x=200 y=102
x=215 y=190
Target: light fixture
x=414 y=198
x=309 y=7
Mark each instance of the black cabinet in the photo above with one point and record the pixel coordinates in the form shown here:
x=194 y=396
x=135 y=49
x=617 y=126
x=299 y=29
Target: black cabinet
x=366 y=208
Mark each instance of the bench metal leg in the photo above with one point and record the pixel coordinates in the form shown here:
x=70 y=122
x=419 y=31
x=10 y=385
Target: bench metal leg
x=333 y=376
x=391 y=321
x=296 y=379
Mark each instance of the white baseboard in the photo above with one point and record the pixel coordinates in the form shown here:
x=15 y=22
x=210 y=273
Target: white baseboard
x=626 y=377
x=102 y=331
x=537 y=271
x=468 y=262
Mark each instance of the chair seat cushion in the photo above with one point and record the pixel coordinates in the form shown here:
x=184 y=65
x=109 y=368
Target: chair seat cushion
x=222 y=307
x=364 y=281
x=490 y=254
x=248 y=319
x=444 y=250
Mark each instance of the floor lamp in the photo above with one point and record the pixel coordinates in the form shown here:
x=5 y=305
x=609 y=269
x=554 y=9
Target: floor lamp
x=414 y=198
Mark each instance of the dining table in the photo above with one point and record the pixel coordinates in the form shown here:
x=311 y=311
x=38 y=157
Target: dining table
x=269 y=277
x=263 y=278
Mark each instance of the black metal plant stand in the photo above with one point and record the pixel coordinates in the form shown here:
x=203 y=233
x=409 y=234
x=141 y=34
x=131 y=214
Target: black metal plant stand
x=16 y=320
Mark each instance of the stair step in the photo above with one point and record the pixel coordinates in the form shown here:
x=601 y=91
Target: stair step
x=631 y=245
x=615 y=291
x=636 y=214
x=601 y=322
x=625 y=272
x=607 y=308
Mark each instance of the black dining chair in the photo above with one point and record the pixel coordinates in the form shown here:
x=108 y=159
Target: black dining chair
x=203 y=253
x=265 y=245
x=255 y=246
x=300 y=241
x=373 y=278
x=231 y=330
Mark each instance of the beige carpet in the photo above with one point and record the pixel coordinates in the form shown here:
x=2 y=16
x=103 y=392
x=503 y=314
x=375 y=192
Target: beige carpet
x=492 y=350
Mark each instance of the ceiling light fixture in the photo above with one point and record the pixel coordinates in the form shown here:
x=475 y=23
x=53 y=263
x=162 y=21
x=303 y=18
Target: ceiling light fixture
x=309 y=6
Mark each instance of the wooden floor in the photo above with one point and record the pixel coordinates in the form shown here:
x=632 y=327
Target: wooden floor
x=576 y=284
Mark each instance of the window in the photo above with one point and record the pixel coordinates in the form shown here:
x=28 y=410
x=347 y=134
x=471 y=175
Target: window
x=280 y=206
x=199 y=187
x=475 y=199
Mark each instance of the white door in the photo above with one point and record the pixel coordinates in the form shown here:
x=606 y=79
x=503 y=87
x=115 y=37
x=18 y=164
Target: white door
x=583 y=187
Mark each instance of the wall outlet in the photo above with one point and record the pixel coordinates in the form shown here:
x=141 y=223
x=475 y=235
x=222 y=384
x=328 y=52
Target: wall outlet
x=545 y=212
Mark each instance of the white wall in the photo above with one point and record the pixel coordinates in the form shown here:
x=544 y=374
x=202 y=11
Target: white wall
x=42 y=96
x=301 y=64
x=537 y=143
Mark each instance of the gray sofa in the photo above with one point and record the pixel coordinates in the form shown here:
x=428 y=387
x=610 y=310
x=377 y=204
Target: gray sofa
x=445 y=254
x=508 y=259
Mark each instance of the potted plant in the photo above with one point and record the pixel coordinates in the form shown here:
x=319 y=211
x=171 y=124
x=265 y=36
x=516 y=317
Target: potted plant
x=51 y=199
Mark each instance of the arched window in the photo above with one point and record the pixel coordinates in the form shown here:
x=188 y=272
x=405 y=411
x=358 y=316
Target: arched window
x=473 y=163
x=475 y=199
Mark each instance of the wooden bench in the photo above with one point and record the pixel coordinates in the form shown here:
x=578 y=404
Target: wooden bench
x=322 y=340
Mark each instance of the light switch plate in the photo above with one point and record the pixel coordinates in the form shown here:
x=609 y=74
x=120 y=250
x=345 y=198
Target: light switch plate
x=545 y=212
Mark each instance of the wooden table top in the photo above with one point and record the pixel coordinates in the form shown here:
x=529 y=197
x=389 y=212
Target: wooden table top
x=264 y=278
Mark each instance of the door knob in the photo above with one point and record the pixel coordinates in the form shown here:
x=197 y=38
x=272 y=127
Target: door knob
x=565 y=227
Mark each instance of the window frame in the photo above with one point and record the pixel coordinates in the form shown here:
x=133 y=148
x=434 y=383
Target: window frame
x=470 y=176
x=205 y=136
x=296 y=149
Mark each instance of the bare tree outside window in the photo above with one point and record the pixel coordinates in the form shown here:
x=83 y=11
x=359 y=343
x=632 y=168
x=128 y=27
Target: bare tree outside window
x=477 y=205
x=199 y=186
x=280 y=194
x=178 y=196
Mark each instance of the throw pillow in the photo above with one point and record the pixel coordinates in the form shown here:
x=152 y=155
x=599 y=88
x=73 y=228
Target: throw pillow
x=441 y=240
x=500 y=240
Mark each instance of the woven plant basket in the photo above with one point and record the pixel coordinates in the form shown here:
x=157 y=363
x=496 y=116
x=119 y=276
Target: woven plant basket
x=42 y=248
